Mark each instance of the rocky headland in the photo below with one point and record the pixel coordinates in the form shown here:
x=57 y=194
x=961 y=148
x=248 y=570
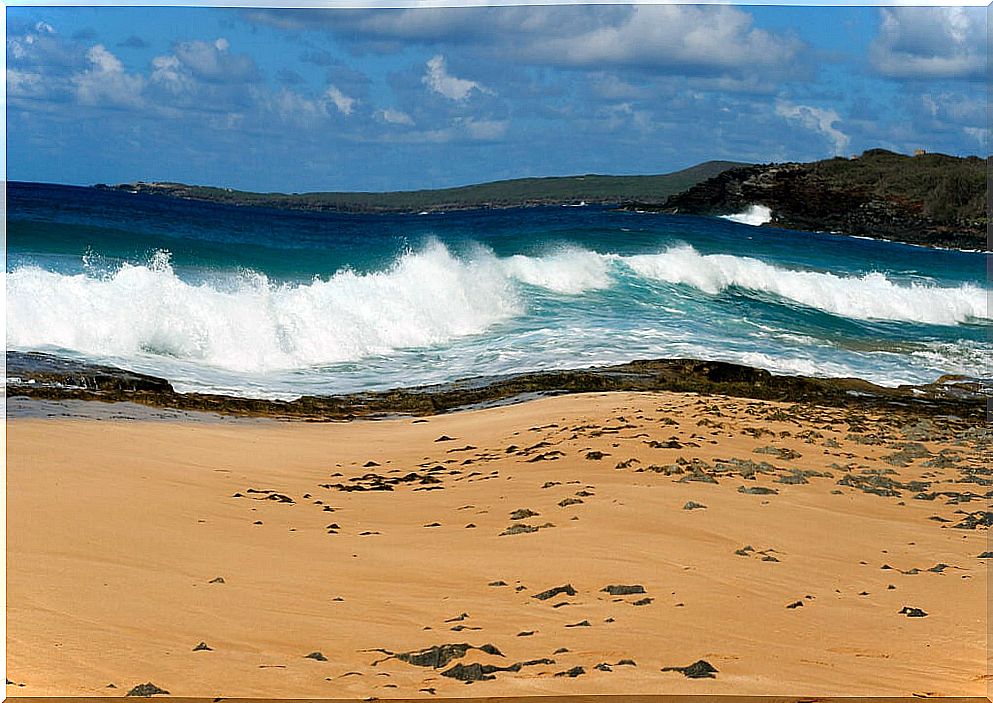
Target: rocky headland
x=928 y=199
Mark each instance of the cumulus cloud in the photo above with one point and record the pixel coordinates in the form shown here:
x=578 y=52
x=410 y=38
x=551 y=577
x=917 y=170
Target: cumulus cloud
x=818 y=120
x=106 y=82
x=714 y=41
x=393 y=116
x=930 y=43
x=212 y=61
x=342 y=102
x=675 y=39
x=438 y=79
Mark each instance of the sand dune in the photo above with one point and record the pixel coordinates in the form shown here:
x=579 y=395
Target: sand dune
x=794 y=550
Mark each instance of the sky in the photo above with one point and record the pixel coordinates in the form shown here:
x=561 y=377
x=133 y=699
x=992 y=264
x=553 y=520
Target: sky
x=297 y=100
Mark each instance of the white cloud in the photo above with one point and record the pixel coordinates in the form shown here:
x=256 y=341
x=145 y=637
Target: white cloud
x=293 y=107
x=816 y=119
x=674 y=38
x=438 y=79
x=212 y=62
x=979 y=134
x=341 y=101
x=930 y=42
x=24 y=84
x=485 y=130
x=394 y=116
x=697 y=41
x=106 y=82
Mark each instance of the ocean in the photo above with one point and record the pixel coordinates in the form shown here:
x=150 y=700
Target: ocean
x=277 y=304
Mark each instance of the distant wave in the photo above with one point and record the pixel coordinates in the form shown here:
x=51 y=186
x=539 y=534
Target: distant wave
x=248 y=323
x=872 y=296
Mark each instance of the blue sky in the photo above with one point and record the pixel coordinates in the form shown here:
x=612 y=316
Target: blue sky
x=297 y=100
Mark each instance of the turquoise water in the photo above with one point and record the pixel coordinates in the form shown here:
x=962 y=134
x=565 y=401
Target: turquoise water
x=278 y=304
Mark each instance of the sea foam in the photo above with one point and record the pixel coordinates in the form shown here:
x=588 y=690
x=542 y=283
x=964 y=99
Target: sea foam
x=427 y=298
x=871 y=296
x=754 y=215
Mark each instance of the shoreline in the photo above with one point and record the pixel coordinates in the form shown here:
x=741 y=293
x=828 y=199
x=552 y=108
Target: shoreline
x=44 y=376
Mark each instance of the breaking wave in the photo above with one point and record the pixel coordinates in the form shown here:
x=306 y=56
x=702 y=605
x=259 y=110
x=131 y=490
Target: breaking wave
x=429 y=297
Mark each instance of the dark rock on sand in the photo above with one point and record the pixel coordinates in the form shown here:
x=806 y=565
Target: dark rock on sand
x=691 y=505
x=573 y=672
x=697 y=670
x=147 y=689
x=757 y=490
x=912 y=612
x=203 y=647
x=581 y=623
x=620 y=590
x=552 y=592
x=518 y=529
x=522 y=513
x=316 y=656
x=439 y=655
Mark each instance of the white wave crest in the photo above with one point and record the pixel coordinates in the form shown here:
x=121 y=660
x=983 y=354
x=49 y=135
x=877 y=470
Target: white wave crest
x=872 y=296
x=568 y=271
x=251 y=324
x=755 y=215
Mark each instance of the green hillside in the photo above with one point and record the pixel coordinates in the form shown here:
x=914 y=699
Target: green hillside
x=592 y=189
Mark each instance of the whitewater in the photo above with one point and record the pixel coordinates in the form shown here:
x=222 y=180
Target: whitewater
x=412 y=309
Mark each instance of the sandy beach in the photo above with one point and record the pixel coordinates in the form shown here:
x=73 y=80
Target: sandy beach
x=575 y=545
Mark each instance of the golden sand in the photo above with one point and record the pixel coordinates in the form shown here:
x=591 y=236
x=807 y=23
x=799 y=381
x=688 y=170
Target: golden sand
x=118 y=532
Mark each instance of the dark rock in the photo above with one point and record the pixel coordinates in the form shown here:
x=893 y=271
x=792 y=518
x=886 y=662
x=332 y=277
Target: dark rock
x=523 y=513
x=757 y=490
x=518 y=529
x=643 y=601
x=147 y=689
x=594 y=456
x=552 y=592
x=573 y=672
x=690 y=505
x=439 y=655
x=217 y=579
x=620 y=590
x=697 y=670
x=912 y=612
x=569 y=501
x=795 y=604
x=581 y=623
x=202 y=647
x=316 y=656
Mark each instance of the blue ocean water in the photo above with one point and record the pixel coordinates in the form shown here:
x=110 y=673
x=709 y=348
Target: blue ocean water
x=273 y=303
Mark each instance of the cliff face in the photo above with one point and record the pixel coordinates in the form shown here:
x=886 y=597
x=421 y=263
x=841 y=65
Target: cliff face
x=932 y=200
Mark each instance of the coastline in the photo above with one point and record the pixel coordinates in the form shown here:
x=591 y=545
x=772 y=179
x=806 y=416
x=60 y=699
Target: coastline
x=43 y=376
x=814 y=529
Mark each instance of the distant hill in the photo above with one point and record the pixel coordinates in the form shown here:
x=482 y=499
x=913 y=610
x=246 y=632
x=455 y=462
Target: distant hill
x=929 y=199
x=520 y=192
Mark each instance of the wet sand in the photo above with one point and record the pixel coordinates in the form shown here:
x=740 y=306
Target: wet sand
x=833 y=553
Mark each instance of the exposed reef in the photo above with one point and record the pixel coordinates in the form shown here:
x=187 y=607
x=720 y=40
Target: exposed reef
x=43 y=376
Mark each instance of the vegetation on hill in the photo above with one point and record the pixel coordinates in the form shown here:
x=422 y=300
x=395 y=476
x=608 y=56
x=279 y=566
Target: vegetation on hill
x=592 y=189
x=930 y=199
